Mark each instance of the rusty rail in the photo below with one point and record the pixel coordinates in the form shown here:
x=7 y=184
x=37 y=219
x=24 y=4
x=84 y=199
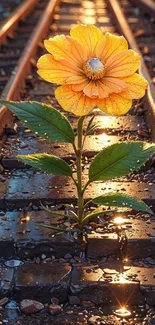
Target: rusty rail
x=26 y=193
x=127 y=32
x=11 y=23
x=16 y=82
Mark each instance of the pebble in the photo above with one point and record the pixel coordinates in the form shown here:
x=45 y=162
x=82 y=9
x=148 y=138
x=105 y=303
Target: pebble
x=55 y=301
x=110 y=271
x=29 y=306
x=72 y=261
x=13 y=263
x=62 y=260
x=68 y=256
x=23 y=145
x=4 y=301
x=87 y=303
x=73 y=300
x=151 y=234
x=93 y=319
x=38 y=260
x=78 y=259
x=151 y=261
x=67 y=224
x=54 y=309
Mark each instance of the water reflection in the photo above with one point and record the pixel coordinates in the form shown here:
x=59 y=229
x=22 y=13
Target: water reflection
x=122 y=312
x=119 y=220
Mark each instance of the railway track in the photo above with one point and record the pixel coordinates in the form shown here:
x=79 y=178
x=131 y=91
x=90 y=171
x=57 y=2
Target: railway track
x=7 y=8
x=22 y=188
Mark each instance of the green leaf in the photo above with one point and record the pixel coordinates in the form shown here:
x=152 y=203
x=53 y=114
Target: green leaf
x=119 y=160
x=95 y=213
x=91 y=127
x=122 y=200
x=89 y=124
x=60 y=229
x=47 y=163
x=57 y=213
x=48 y=122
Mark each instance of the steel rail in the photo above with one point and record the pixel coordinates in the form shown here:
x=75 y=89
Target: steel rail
x=23 y=68
x=125 y=29
x=11 y=23
x=147 y=6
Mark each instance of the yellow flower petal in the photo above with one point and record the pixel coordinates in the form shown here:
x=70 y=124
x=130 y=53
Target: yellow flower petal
x=109 y=45
x=91 y=90
x=136 y=86
x=77 y=103
x=88 y=36
x=64 y=47
x=122 y=64
x=115 y=104
x=56 y=71
x=114 y=85
x=76 y=79
x=81 y=86
x=102 y=88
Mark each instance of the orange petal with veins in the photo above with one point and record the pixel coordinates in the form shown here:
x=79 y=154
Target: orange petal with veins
x=77 y=103
x=88 y=36
x=66 y=48
x=122 y=64
x=56 y=71
x=109 y=45
x=115 y=104
x=136 y=86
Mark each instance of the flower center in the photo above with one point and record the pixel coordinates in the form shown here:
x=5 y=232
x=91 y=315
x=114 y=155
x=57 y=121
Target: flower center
x=94 y=68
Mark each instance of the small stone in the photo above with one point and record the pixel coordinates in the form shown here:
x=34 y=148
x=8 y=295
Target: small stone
x=87 y=304
x=13 y=263
x=4 y=301
x=72 y=261
x=151 y=261
x=28 y=230
x=78 y=259
x=73 y=300
x=151 y=311
x=110 y=320
x=38 y=260
x=29 y=306
x=55 y=301
x=67 y=224
x=43 y=256
x=62 y=260
x=110 y=271
x=2 y=179
x=48 y=260
x=23 y=145
x=93 y=319
x=54 y=309
x=151 y=234
x=53 y=258
x=68 y=256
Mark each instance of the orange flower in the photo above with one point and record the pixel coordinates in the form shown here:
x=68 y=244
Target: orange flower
x=95 y=70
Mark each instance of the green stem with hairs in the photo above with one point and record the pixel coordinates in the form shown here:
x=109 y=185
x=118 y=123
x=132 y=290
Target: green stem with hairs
x=79 y=171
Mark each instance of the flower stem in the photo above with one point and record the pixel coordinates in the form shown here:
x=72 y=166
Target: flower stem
x=79 y=171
